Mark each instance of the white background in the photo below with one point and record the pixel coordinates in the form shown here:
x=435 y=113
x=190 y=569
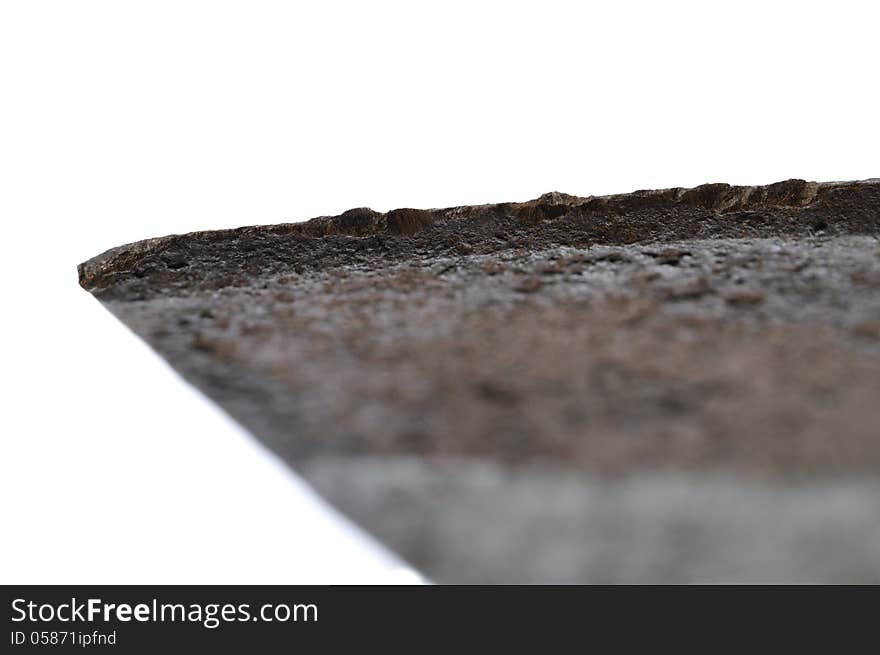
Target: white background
x=125 y=120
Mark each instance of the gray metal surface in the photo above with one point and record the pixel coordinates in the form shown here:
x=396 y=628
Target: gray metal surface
x=669 y=386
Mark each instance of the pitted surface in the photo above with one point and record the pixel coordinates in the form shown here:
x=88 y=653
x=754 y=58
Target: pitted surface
x=721 y=333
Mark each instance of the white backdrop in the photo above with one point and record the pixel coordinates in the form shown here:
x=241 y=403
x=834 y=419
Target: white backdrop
x=125 y=120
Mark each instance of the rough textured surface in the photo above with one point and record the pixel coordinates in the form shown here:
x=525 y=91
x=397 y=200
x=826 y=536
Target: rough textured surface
x=518 y=359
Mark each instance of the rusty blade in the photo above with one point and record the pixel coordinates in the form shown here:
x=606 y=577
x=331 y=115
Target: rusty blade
x=664 y=386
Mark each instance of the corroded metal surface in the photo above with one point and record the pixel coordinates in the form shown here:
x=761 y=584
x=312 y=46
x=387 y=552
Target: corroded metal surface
x=566 y=389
